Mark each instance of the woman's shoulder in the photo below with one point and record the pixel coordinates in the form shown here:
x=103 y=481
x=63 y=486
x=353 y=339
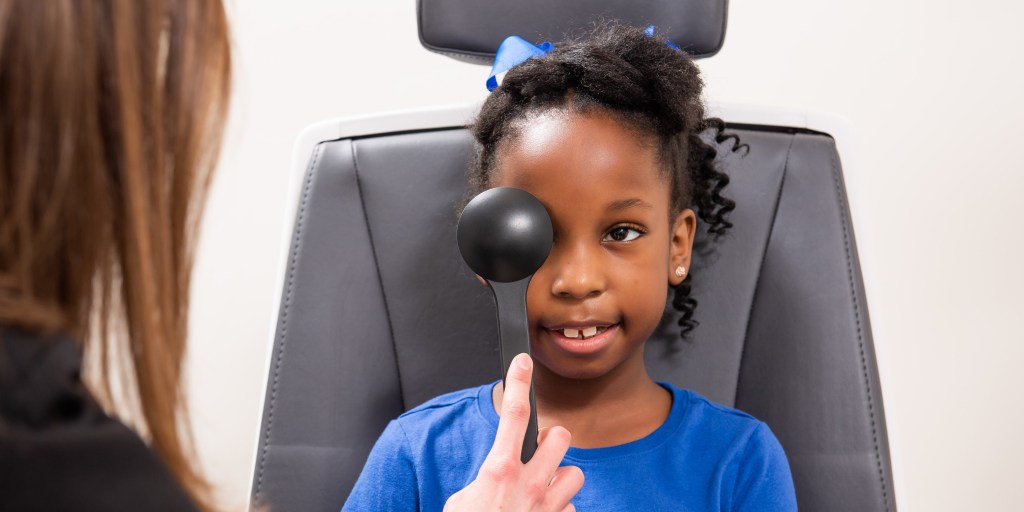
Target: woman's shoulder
x=58 y=449
x=101 y=466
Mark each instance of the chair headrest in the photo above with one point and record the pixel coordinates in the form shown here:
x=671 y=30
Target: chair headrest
x=472 y=30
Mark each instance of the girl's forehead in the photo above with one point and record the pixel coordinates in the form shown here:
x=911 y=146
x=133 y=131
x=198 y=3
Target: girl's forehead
x=561 y=148
x=583 y=167
x=546 y=130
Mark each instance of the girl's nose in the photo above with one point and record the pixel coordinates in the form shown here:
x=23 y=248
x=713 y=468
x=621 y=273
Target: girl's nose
x=578 y=274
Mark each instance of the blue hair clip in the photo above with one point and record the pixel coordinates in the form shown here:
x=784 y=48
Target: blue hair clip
x=650 y=33
x=515 y=50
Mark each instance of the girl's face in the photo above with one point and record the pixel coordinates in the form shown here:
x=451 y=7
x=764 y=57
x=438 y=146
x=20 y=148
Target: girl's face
x=602 y=290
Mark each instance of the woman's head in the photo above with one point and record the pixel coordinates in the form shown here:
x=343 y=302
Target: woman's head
x=649 y=89
x=110 y=121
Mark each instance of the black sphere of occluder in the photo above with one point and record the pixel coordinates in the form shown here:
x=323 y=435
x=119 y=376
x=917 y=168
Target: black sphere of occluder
x=505 y=234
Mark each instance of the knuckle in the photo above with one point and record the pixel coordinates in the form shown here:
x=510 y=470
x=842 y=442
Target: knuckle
x=535 y=491
x=517 y=409
x=500 y=469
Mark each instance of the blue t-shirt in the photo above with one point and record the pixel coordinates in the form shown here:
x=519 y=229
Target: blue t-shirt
x=703 y=457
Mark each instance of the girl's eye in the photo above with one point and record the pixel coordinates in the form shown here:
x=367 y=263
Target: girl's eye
x=622 y=234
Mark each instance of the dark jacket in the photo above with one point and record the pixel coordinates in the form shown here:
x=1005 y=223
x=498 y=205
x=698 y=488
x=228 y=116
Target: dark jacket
x=58 y=449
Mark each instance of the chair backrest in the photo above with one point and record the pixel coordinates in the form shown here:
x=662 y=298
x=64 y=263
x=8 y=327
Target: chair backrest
x=378 y=313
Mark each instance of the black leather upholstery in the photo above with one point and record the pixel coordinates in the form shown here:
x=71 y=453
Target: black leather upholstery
x=472 y=29
x=380 y=314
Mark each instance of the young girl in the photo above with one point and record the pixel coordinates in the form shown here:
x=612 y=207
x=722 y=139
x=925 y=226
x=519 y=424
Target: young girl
x=606 y=133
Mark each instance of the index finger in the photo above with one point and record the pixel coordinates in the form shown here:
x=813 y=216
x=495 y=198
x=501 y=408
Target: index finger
x=515 y=407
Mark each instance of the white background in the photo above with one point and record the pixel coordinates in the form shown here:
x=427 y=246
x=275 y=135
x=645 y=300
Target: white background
x=932 y=91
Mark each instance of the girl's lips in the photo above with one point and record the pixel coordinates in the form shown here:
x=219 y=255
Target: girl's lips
x=583 y=347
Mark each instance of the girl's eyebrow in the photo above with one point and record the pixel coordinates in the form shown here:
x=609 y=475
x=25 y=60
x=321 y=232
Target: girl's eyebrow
x=629 y=203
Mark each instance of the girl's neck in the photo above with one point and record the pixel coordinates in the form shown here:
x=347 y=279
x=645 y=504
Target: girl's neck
x=621 y=406
x=561 y=396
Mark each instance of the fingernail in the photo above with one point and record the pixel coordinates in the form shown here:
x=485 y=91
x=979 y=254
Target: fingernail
x=523 y=361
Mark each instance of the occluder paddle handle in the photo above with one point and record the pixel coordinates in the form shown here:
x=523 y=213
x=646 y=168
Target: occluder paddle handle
x=504 y=235
x=514 y=339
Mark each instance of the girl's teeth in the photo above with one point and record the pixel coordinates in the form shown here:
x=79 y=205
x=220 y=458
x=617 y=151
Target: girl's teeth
x=588 y=332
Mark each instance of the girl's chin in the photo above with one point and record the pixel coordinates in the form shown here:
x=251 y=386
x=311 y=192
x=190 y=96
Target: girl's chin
x=572 y=369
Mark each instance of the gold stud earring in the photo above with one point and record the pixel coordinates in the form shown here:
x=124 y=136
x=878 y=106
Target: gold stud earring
x=680 y=271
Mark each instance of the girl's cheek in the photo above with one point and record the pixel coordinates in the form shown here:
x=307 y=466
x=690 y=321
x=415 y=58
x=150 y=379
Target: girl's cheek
x=534 y=300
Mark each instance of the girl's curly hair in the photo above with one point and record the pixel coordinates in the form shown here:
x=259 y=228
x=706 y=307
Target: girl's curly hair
x=652 y=88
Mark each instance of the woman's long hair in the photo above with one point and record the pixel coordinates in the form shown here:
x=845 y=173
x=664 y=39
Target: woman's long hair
x=111 y=115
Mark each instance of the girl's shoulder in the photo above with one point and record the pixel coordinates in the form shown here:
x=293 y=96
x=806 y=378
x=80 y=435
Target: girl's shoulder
x=705 y=416
x=752 y=466
x=454 y=411
x=452 y=400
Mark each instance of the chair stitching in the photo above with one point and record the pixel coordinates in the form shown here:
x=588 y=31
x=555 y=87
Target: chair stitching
x=457 y=55
x=860 y=337
x=760 y=268
x=380 y=279
x=293 y=259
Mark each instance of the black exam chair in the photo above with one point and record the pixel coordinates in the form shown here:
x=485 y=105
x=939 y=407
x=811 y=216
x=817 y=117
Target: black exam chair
x=378 y=313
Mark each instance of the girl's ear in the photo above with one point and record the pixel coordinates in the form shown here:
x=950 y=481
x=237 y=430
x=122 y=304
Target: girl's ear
x=681 y=246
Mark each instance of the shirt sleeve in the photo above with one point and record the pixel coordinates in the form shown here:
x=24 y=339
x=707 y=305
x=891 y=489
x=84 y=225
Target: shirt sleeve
x=388 y=481
x=763 y=478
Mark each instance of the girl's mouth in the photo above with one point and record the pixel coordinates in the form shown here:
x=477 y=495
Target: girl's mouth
x=583 y=340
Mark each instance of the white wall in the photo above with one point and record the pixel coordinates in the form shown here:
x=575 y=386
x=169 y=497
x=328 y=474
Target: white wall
x=932 y=90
